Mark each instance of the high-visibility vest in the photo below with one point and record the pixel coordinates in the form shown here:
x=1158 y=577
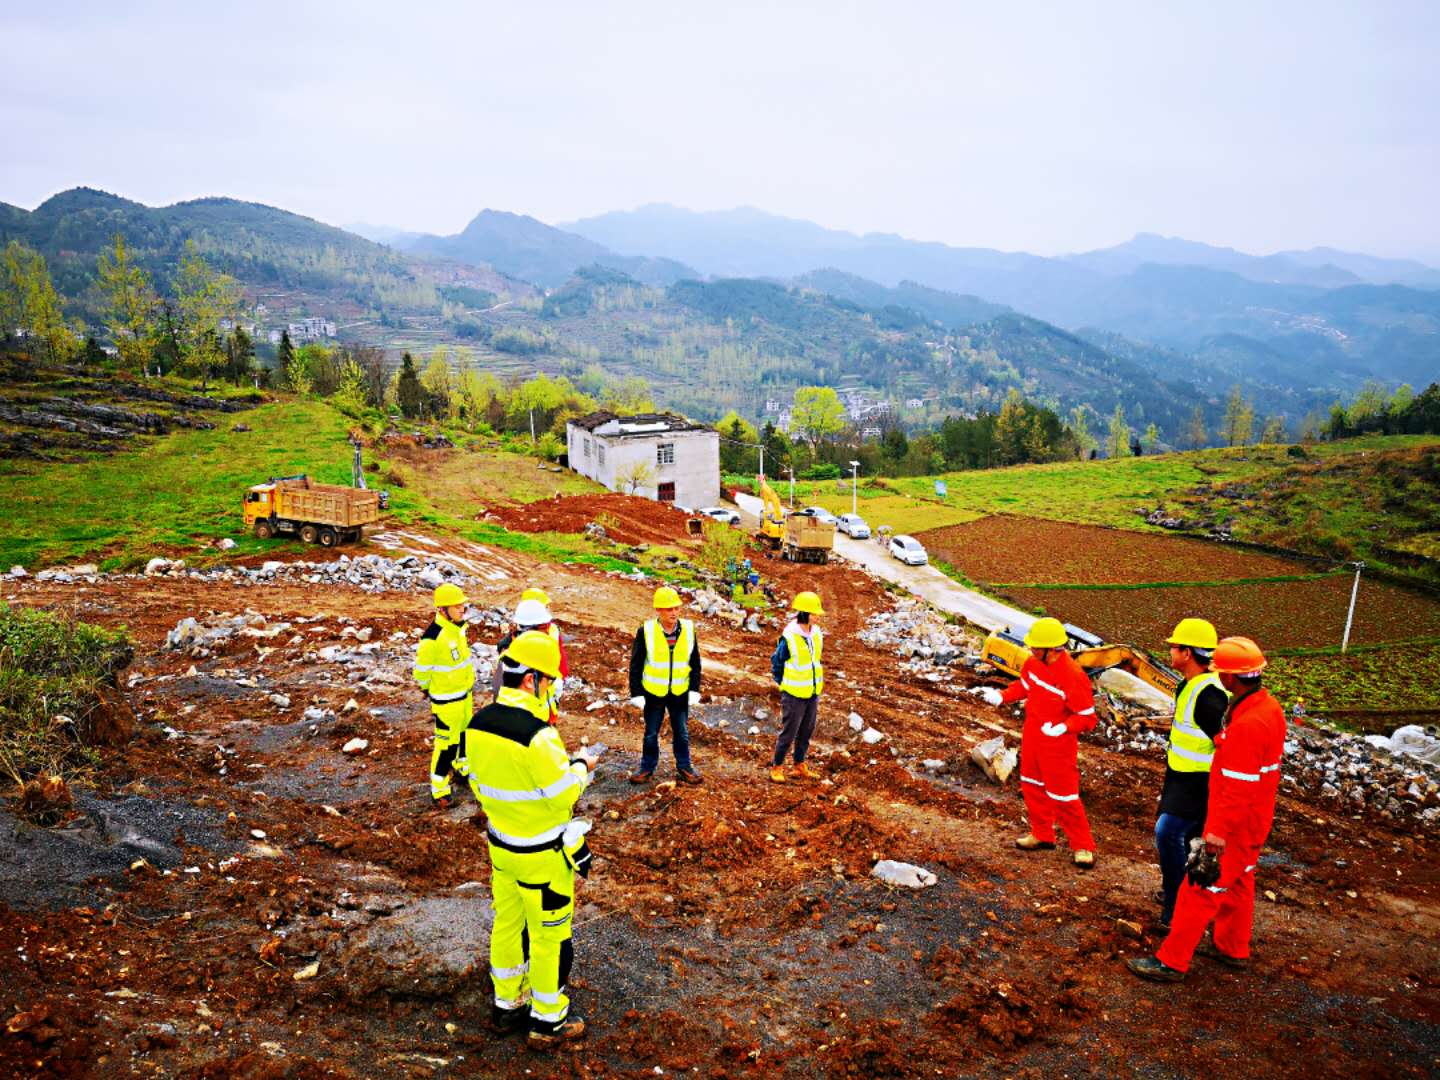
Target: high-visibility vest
x=804 y=675
x=1191 y=750
x=667 y=670
x=442 y=662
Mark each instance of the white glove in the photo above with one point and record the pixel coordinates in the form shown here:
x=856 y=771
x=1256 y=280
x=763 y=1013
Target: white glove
x=638 y=702
x=557 y=688
x=694 y=697
x=1053 y=729
x=990 y=694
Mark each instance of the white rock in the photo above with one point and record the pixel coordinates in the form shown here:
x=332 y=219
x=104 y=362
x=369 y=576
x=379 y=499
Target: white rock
x=18 y=572
x=355 y=746
x=364 y=634
x=754 y=729
x=258 y=834
x=271 y=566
x=871 y=736
x=856 y=723
x=225 y=544
x=88 y=569
x=280 y=701
x=933 y=765
x=762 y=714
x=995 y=759
x=900 y=873
x=156 y=565
x=350 y=706
x=594 y=705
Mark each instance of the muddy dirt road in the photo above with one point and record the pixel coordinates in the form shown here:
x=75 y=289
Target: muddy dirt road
x=240 y=897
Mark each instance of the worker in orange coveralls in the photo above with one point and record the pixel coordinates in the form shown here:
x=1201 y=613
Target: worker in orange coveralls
x=1059 y=705
x=1244 y=780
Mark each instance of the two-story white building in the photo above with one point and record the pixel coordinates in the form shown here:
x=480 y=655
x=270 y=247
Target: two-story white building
x=654 y=455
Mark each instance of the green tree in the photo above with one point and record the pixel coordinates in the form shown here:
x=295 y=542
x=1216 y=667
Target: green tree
x=1239 y=422
x=298 y=375
x=204 y=297
x=239 y=356
x=438 y=382
x=1151 y=438
x=738 y=442
x=350 y=396
x=409 y=395
x=628 y=397
x=28 y=300
x=778 y=451
x=817 y=414
x=1195 y=434
x=131 y=303
x=285 y=353
x=1274 y=431
x=1117 y=443
x=1080 y=432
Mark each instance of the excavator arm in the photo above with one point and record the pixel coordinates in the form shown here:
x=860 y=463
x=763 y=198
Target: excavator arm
x=772 y=515
x=1128 y=658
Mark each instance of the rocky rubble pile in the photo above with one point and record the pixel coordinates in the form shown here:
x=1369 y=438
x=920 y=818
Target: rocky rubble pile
x=915 y=631
x=1360 y=776
x=371 y=573
x=707 y=602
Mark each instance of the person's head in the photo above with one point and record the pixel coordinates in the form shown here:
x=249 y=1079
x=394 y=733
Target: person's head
x=1239 y=663
x=1045 y=638
x=1192 y=647
x=531 y=663
x=667 y=607
x=534 y=593
x=807 y=607
x=531 y=615
x=450 y=601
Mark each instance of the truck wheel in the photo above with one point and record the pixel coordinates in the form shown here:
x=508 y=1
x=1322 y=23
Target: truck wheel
x=328 y=537
x=263 y=529
x=309 y=533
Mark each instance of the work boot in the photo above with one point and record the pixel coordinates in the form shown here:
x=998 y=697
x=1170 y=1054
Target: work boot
x=689 y=776
x=777 y=773
x=1208 y=948
x=505 y=1021
x=1162 y=921
x=1085 y=860
x=1148 y=967
x=1031 y=842
x=801 y=771
x=442 y=804
x=639 y=776
x=572 y=1027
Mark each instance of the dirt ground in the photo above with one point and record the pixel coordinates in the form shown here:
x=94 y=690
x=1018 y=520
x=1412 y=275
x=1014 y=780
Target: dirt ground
x=169 y=929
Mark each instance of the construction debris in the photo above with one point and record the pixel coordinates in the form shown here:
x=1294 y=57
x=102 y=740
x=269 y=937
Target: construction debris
x=903 y=873
x=995 y=759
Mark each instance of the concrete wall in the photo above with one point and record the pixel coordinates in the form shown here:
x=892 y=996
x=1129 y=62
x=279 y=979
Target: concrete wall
x=695 y=471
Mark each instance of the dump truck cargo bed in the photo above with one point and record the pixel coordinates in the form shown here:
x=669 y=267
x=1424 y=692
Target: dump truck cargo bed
x=326 y=504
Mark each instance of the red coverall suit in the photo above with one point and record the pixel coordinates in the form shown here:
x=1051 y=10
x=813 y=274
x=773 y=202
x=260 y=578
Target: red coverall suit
x=1054 y=693
x=1244 y=779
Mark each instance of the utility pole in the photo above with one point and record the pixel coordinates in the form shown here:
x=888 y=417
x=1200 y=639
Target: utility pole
x=762 y=461
x=854 y=483
x=1350 y=615
x=791 y=470
x=532 y=425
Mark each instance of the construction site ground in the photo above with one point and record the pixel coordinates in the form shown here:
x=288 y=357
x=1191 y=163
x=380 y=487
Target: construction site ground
x=236 y=896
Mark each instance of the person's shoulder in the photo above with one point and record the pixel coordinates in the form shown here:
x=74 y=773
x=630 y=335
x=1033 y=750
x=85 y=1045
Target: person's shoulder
x=508 y=722
x=431 y=632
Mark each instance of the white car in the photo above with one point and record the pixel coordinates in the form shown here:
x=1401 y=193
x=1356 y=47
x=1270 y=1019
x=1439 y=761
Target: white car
x=819 y=513
x=908 y=550
x=853 y=525
x=719 y=513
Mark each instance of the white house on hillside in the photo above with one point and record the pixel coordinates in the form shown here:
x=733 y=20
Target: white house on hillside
x=676 y=460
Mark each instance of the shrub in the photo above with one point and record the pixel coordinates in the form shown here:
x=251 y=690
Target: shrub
x=824 y=471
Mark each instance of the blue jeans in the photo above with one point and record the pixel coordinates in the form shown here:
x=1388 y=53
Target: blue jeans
x=678 y=706
x=1173 y=834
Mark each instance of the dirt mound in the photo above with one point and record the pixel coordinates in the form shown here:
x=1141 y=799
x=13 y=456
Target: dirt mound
x=626 y=518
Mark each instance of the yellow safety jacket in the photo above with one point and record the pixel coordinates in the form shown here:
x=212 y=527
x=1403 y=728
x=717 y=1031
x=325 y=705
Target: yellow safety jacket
x=521 y=773
x=667 y=671
x=443 y=668
x=1191 y=750
x=804 y=675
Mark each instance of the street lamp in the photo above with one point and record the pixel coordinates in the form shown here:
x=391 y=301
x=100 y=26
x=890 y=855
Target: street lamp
x=854 y=480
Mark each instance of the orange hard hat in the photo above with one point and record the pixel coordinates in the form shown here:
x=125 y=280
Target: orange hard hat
x=1238 y=656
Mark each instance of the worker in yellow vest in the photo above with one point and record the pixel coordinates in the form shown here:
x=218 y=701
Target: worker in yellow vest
x=447 y=677
x=528 y=784
x=532 y=613
x=665 y=678
x=796 y=666
x=1200 y=704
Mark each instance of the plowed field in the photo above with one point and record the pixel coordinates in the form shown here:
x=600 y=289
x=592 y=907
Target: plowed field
x=626 y=518
x=1029 y=551
x=1279 y=615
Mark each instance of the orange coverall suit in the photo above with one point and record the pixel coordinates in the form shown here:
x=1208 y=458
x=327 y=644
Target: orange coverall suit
x=1244 y=779
x=1055 y=693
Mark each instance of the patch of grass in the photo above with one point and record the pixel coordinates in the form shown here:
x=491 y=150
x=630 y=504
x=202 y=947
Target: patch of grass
x=1393 y=676
x=51 y=667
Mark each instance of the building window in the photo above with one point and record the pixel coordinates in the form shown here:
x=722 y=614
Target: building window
x=665 y=454
x=587 y=447
x=600 y=452
x=666 y=491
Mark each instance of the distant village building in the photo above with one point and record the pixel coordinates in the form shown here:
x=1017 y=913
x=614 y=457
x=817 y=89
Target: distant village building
x=678 y=459
x=914 y=403
x=773 y=406
x=305 y=332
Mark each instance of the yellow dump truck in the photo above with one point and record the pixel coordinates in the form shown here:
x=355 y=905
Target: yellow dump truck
x=324 y=514
x=807 y=539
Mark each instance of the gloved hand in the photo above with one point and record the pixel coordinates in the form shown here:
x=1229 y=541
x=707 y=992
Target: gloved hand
x=990 y=695
x=638 y=702
x=1202 y=868
x=1054 y=729
x=694 y=697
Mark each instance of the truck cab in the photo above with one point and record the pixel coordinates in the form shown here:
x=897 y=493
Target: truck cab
x=259 y=503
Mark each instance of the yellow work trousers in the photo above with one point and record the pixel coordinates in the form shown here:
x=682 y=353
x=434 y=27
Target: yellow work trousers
x=534 y=900
x=448 y=752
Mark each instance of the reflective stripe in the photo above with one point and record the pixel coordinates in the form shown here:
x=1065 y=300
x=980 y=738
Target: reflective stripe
x=1233 y=775
x=569 y=780
x=510 y=973
x=548 y=999
x=803 y=679
x=449 y=699
x=1192 y=755
x=1269 y=768
x=437 y=780
x=1249 y=868
x=442 y=667
x=1037 y=783
x=667 y=669
x=556 y=922
x=525 y=841
x=1190 y=749
x=548 y=1017
x=1045 y=685
x=1063 y=798
x=1086 y=712
x=1215 y=889
x=507 y=1004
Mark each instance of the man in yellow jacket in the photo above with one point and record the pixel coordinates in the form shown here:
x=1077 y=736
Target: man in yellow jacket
x=446 y=675
x=528 y=785
x=796 y=666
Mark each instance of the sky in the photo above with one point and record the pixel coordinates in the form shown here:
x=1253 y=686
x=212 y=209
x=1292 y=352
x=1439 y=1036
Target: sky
x=1044 y=127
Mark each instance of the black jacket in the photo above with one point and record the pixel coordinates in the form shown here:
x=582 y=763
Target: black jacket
x=637 y=662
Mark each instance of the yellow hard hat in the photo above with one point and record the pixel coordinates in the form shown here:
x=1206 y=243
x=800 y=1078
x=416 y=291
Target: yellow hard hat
x=808 y=602
x=1046 y=634
x=666 y=597
x=447 y=595
x=533 y=593
x=534 y=650
x=1195 y=634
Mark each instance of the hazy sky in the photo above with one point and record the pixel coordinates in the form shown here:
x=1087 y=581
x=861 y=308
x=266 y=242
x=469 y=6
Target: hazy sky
x=1043 y=127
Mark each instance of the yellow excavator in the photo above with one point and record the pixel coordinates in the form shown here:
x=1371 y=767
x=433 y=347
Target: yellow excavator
x=772 y=517
x=1007 y=652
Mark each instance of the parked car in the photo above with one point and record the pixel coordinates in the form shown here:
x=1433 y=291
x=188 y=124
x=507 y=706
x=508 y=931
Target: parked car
x=908 y=550
x=819 y=513
x=853 y=525
x=719 y=513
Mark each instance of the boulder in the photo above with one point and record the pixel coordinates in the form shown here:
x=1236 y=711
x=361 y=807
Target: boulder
x=995 y=759
x=902 y=873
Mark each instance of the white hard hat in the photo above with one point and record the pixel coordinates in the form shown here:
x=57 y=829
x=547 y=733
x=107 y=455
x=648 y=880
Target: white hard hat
x=531 y=613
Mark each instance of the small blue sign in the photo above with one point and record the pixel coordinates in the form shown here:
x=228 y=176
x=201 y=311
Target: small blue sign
x=940 y=488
